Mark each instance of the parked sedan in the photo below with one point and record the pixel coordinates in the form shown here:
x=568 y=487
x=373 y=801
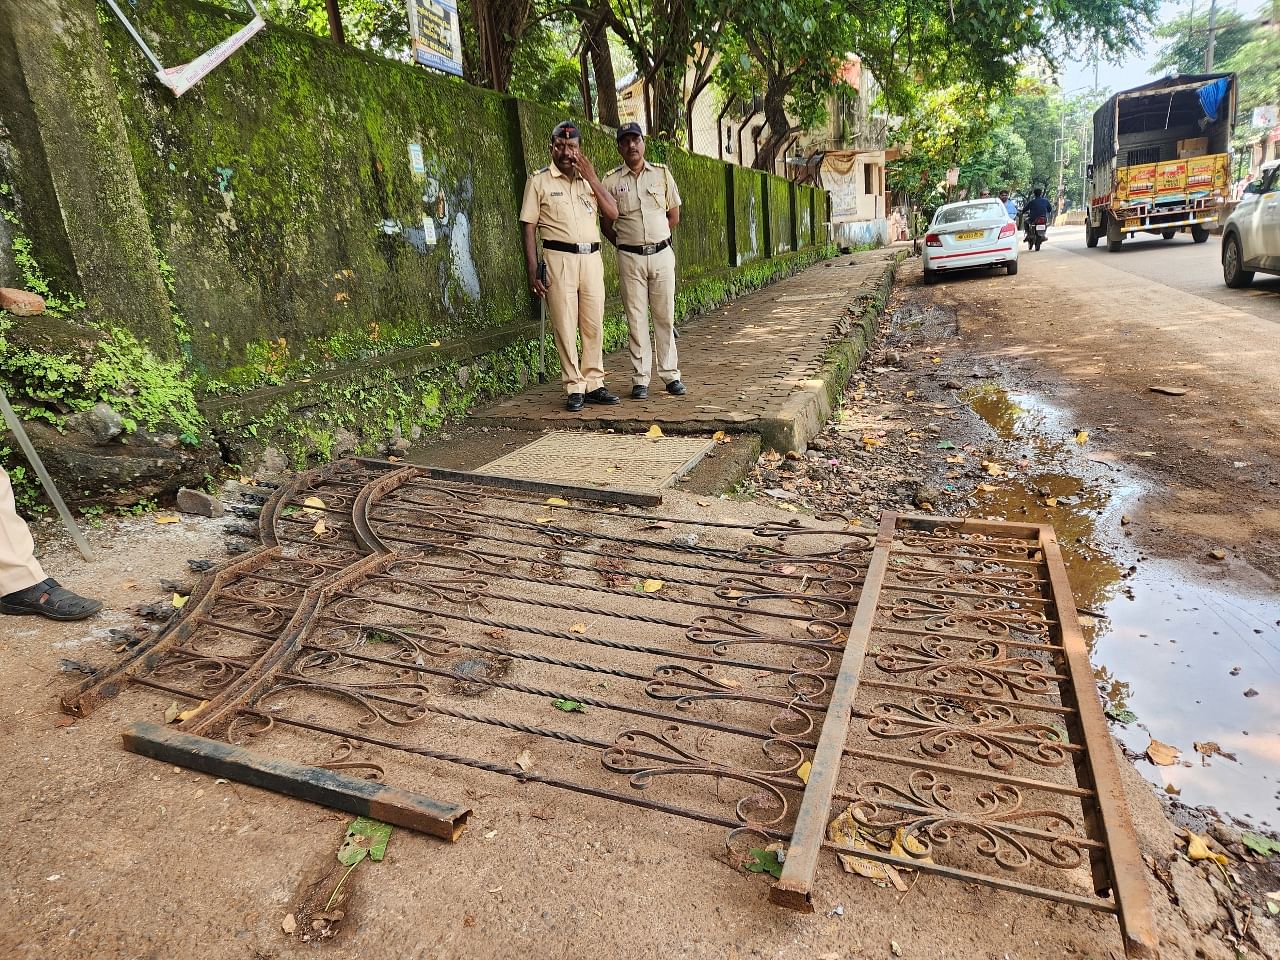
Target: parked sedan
x=1251 y=236
x=972 y=233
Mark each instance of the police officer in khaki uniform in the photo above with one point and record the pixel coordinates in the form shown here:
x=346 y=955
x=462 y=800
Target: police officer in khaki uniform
x=565 y=201
x=648 y=210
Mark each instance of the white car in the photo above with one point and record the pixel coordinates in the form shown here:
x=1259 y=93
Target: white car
x=972 y=233
x=1251 y=237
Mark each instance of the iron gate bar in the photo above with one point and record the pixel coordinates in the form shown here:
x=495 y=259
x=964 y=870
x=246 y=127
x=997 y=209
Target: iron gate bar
x=635 y=498
x=794 y=887
x=1127 y=869
x=391 y=805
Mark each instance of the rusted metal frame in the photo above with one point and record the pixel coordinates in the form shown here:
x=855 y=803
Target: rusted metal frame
x=1009 y=561
x=1006 y=529
x=392 y=805
x=946 y=635
x=551 y=693
x=365 y=534
x=960 y=818
x=1099 y=769
x=794 y=888
x=984 y=775
x=975 y=697
x=222 y=707
x=89 y=695
x=517 y=774
x=838 y=609
x=1064 y=746
x=579 y=638
x=598 y=494
x=942 y=592
x=970 y=876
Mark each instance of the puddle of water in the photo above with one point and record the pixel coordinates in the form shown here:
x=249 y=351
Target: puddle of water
x=1168 y=640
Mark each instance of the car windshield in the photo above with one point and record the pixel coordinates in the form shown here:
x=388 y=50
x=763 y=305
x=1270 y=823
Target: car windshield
x=962 y=213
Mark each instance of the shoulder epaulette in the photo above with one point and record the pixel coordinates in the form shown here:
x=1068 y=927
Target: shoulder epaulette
x=614 y=170
x=660 y=166
x=543 y=169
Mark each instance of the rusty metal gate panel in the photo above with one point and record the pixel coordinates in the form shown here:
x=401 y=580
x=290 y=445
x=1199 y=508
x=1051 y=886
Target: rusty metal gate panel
x=427 y=628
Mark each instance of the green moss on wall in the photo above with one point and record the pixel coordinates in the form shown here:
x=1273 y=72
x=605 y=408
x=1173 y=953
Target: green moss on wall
x=781 y=227
x=748 y=215
x=702 y=244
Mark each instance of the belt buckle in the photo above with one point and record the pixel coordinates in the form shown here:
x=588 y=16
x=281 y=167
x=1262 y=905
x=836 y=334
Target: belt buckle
x=584 y=248
x=649 y=249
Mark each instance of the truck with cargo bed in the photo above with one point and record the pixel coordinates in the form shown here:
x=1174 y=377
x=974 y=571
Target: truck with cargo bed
x=1160 y=159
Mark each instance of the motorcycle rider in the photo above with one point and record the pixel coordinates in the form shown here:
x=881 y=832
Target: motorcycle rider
x=1038 y=206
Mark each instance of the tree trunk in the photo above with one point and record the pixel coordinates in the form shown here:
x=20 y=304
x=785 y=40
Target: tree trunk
x=775 y=115
x=602 y=65
x=668 y=99
x=499 y=26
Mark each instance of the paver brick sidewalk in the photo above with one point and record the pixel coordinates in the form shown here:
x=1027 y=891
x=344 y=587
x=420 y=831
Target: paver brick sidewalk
x=760 y=364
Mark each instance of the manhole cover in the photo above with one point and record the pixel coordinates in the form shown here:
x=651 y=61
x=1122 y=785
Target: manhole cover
x=603 y=460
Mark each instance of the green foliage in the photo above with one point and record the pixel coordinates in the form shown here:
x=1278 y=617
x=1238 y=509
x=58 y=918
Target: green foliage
x=545 y=70
x=1257 y=66
x=1186 y=38
x=33 y=278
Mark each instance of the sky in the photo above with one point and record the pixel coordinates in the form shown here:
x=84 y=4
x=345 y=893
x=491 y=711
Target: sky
x=1134 y=70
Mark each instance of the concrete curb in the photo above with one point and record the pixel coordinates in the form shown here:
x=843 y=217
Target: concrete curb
x=803 y=415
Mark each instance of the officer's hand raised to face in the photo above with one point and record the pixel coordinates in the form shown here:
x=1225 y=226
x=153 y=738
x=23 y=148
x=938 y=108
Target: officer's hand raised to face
x=582 y=164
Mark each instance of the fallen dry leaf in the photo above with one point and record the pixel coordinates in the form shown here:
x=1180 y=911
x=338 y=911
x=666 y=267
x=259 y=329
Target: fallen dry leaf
x=1082 y=436
x=289 y=924
x=312 y=504
x=524 y=761
x=557 y=501
x=993 y=469
x=542 y=519
x=1198 y=849
x=165 y=518
x=179 y=601
x=320 y=528
x=1161 y=753
x=654 y=431
x=653 y=586
x=171 y=712
x=578 y=628
x=804 y=770
x=1050 y=501
x=186 y=715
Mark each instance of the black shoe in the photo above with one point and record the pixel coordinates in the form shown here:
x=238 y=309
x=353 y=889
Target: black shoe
x=676 y=388
x=601 y=395
x=573 y=403
x=639 y=392
x=49 y=599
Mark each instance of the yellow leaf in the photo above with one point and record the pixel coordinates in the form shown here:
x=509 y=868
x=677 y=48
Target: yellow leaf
x=186 y=715
x=1161 y=753
x=654 y=431
x=312 y=505
x=936 y=360
x=557 y=502
x=320 y=527
x=1198 y=849
x=909 y=848
x=958 y=458
x=179 y=601
x=393 y=459
x=804 y=770
x=1050 y=501
x=911 y=393
x=1082 y=436
x=165 y=518
x=434 y=343
x=579 y=628
x=341 y=297
x=541 y=519
x=994 y=469
x=246 y=480
x=653 y=586
x=719 y=437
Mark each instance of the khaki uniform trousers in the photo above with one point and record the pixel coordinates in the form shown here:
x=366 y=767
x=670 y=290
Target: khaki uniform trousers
x=18 y=566
x=575 y=302
x=649 y=293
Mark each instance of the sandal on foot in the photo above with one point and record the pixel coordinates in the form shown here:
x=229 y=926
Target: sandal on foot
x=49 y=599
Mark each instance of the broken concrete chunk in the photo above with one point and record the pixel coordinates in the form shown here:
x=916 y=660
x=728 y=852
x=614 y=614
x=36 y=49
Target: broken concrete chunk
x=21 y=303
x=100 y=422
x=199 y=504
x=1195 y=896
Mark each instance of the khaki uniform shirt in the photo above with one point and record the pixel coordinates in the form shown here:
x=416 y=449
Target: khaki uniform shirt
x=563 y=209
x=643 y=201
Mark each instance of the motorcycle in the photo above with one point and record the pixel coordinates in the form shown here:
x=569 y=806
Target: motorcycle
x=1036 y=230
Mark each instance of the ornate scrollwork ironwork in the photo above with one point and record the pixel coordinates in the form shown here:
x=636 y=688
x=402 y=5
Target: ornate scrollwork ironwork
x=985 y=668
x=992 y=732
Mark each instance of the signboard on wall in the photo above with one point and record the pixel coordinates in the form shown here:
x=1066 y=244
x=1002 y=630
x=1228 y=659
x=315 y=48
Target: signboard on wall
x=839 y=177
x=1265 y=116
x=437 y=36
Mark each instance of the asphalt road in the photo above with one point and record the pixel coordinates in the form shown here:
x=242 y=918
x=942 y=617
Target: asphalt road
x=1181 y=264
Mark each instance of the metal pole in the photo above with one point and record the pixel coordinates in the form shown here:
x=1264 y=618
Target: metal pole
x=46 y=481
x=1213 y=21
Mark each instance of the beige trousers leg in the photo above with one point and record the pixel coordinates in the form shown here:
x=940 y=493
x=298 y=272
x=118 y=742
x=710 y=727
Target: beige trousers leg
x=575 y=302
x=18 y=566
x=648 y=287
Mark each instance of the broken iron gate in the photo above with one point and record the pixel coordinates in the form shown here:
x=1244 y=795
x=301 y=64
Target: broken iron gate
x=925 y=683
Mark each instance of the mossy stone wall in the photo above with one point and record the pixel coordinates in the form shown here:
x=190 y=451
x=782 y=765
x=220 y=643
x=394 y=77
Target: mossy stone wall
x=781 y=222
x=748 y=214
x=702 y=239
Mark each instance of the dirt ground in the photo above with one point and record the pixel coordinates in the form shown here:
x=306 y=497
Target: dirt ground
x=119 y=856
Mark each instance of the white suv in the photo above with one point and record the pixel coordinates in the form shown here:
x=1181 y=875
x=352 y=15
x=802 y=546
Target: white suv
x=1251 y=238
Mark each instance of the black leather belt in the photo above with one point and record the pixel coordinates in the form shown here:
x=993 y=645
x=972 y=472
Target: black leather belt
x=647 y=249
x=571 y=247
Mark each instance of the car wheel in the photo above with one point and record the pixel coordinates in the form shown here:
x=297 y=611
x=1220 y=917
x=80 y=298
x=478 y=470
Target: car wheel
x=1233 y=271
x=1090 y=235
x=930 y=276
x=1198 y=233
x=1011 y=267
